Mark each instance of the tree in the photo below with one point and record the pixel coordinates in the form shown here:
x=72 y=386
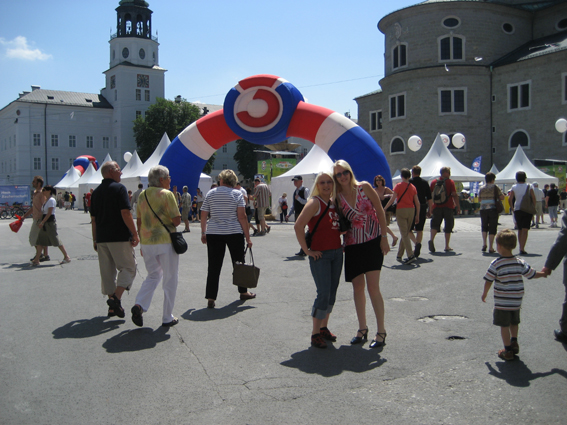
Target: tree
x=245 y=157
x=164 y=116
x=209 y=165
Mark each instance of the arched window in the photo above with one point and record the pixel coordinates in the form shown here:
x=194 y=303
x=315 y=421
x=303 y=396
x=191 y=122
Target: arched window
x=519 y=138
x=451 y=48
x=128 y=21
x=400 y=56
x=397 y=146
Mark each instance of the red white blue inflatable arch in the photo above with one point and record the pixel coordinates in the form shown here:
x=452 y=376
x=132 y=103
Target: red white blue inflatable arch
x=265 y=109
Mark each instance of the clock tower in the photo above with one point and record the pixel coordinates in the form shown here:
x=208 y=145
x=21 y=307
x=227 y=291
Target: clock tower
x=134 y=79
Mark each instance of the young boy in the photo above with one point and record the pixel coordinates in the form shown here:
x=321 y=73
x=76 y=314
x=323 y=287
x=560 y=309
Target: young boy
x=506 y=273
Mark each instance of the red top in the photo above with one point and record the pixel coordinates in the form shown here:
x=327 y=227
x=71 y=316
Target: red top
x=405 y=201
x=449 y=189
x=327 y=236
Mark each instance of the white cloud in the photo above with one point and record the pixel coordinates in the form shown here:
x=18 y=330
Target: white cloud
x=18 y=48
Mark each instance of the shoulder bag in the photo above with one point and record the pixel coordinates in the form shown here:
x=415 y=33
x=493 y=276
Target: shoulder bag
x=344 y=223
x=245 y=275
x=177 y=241
x=309 y=235
x=527 y=204
x=498 y=202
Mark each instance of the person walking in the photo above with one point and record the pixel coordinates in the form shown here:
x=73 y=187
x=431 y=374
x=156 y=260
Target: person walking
x=445 y=202
x=262 y=197
x=283 y=207
x=325 y=253
x=186 y=208
x=300 y=196
x=35 y=212
x=552 y=204
x=425 y=206
x=523 y=219
x=488 y=214
x=157 y=216
x=366 y=244
x=540 y=200
x=114 y=237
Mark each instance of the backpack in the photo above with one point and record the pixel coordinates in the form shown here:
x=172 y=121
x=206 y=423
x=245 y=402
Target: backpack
x=439 y=193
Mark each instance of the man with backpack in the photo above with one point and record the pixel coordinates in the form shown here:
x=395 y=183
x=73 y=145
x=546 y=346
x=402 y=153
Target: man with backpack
x=445 y=200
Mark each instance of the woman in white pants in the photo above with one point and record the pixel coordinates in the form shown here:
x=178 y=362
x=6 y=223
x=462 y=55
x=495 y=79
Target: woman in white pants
x=162 y=262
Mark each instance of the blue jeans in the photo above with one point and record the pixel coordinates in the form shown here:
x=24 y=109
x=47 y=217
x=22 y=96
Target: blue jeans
x=326 y=272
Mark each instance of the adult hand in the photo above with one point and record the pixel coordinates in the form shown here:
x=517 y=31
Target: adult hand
x=248 y=243
x=315 y=254
x=546 y=271
x=94 y=245
x=135 y=241
x=204 y=239
x=384 y=245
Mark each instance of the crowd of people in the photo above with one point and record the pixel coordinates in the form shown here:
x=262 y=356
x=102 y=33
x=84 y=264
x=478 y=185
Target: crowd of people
x=348 y=226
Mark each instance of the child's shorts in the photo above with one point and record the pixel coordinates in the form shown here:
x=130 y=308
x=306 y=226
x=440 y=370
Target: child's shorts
x=505 y=318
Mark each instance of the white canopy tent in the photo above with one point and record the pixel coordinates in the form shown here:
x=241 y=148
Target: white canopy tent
x=493 y=169
x=315 y=161
x=439 y=156
x=130 y=168
x=520 y=162
x=89 y=172
x=70 y=177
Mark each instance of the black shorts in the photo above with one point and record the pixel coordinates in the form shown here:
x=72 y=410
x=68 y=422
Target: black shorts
x=523 y=219
x=440 y=214
x=505 y=318
x=422 y=217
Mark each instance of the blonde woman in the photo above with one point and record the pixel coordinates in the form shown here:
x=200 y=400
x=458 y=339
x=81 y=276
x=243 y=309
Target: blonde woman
x=366 y=244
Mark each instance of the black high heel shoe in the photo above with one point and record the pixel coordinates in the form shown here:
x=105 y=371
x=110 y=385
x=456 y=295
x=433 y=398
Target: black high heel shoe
x=375 y=344
x=358 y=339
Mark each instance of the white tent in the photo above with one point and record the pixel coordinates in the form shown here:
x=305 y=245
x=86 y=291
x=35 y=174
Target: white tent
x=89 y=172
x=493 y=169
x=130 y=168
x=520 y=162
x=68 y=179
x=315 y=161
x=92 y=183
x=439 y=156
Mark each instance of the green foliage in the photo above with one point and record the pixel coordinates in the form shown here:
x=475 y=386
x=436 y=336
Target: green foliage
x=164 y=116
x=209 y=165
x=245 y=157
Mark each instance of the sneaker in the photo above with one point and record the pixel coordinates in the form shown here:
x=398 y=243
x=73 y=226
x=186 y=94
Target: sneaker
x=318 y=341
x=174 y=322
x=44 y=258
x=262 y=234
x=431 y=246
x=410 y=260
x=417 y=249
x=515 y=347
x=255 y=233
x=328 y=335
x=506 y=355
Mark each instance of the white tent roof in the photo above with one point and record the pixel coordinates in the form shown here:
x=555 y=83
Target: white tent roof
x=308 y=168
x=153 y=160
x=68 y=179
x=493 y=169
x=132 y=166
x=84 y=178
x=520 y=162
x=93 y=182
x=439 y=156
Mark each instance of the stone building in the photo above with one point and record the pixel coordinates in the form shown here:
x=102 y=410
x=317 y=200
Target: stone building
x=493 y=70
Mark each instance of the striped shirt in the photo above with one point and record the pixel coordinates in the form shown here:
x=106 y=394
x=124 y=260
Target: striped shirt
x=364 y=222
x=506 y=273
x=262 y=195
x=221 y=203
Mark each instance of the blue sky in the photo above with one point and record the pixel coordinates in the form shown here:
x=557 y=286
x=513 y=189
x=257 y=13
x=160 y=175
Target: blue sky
x=332 y=50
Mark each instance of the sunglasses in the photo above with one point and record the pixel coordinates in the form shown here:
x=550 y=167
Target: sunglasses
x=345 y=173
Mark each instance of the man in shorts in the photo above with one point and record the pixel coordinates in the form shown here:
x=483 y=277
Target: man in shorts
x=262 y=197
x=443 y=206
x=426 y=205
x=37 y=215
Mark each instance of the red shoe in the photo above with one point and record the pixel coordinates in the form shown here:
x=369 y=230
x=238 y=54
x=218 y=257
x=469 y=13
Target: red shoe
x=318 y=341
x=328 y=335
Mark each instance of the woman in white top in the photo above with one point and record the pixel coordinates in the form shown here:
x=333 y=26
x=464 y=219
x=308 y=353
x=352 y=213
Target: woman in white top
x=227 y=226
x=523 y=218
x=48 y=227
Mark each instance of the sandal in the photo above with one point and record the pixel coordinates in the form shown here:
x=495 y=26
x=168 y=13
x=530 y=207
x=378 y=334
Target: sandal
x=506 y=355
x=137 y=315
x=358 y=339
x=491 y=251
x=395 y=241
x=484 y=248
x=375 y=343
x=114 y=303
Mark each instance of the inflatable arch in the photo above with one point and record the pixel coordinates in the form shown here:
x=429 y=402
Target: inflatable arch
x=82 y=162
x=265 y=109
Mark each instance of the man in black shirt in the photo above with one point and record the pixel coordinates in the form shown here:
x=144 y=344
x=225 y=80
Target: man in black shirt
x=114 y=236
x=424 y=195
x=300 y=196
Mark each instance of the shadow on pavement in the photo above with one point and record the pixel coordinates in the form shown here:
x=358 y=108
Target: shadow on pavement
x=86 y=328
x=517 y=374
x=207 y=314
x=332 y=362
x=296 y=258
x=26 y=266
x=136 y=340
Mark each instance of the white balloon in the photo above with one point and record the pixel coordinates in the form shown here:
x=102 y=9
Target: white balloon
x=445 y=139
x=458 y=140
x=127 y=156
x=561 y=125
x=414 y=143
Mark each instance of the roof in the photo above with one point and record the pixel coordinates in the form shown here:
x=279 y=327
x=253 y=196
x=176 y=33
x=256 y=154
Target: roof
x=535 y=48
x=66 y=98
x=126 y=63
x=368 y=94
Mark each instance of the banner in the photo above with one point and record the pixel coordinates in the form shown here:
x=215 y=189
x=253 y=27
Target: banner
x=274 y=167
x=473 y=189
x=15 y=193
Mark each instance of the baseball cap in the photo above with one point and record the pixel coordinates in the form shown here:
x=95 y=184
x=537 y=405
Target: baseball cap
x=297 y=178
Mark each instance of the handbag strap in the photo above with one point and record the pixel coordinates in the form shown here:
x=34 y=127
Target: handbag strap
x=251 y=255
x=149 y=205
x=321 y=218
x=407 y=187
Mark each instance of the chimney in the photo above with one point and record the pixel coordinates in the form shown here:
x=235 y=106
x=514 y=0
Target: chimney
x=34 y=88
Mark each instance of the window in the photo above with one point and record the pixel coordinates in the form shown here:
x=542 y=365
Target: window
x=225 y=166
x=138 y=94
x=451 y=22
x=54 y=140
x=54 y=164
x=72 y=141
x=452 y=146
x=71 y=160
x=399 y=56
x=138 y=114
x=452 y=101
x=398 y=106
x=508 y=28
x=37 y=139
x=519 y=138
x=115 y=94
x=451 y=48
x=147 y=95
x=37 y=163
x=397 y=146
x=564 y=88
x=90 y=143
x=115 y=142
x=105 y=142
x=224 y=149
x=375 y=120
x=519 y=96
x=564 y=137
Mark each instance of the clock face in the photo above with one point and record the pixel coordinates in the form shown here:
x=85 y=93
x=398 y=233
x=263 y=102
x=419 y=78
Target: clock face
x=143 y=81
x=125 y=52
x=142 y=53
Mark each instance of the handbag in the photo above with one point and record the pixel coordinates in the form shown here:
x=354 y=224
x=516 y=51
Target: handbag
x=16 y=225
x=177 y=240
x=498 y=202
x=308 y=234
x=527 y=205
x=245 y=275
x=344 y=223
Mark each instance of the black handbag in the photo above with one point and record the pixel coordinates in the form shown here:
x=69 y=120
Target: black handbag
x=177 y=240
x=344 y=223
x=308 y=234
x=245 y=275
